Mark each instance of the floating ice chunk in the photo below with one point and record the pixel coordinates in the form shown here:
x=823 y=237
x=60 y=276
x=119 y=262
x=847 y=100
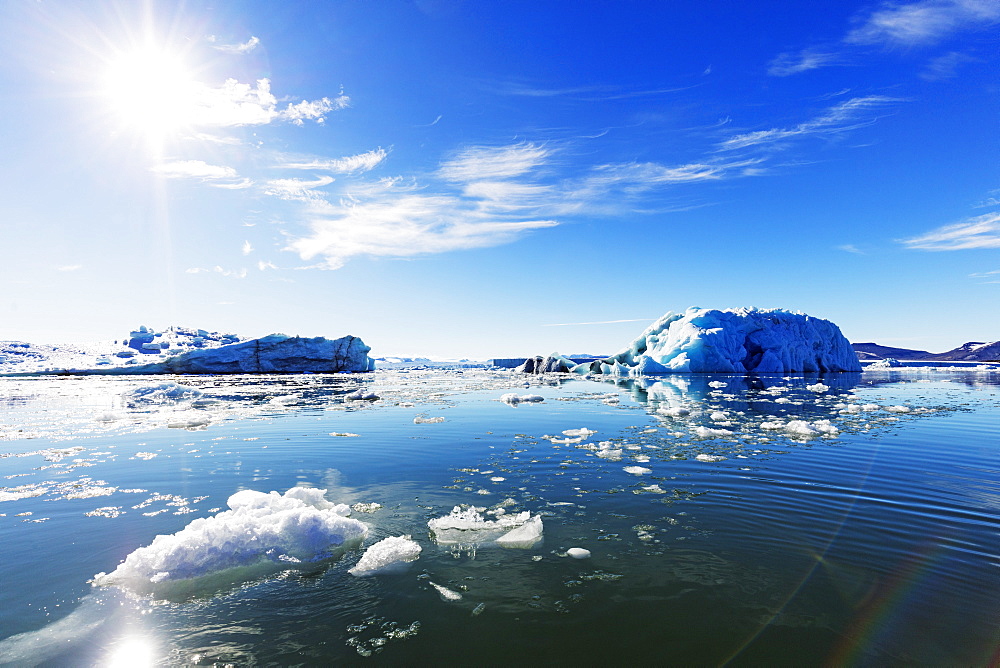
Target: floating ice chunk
x=346 y=434
x=260 y=533
x=389 y=554
x=161 y=393
x=674 y=411
x=898 y=409
x=366 y=507
x=469 y=526
x=772 y=425
x=513 y=398
x=523 y=536
x=582 y=431
x=361 y=395
x=717 y=384
x=709 y=432
x=445 y=593
x=718 y=416
x=426 y=420
x=816 y=428
x=578 y=553
x=637 y=470
x=710 y=458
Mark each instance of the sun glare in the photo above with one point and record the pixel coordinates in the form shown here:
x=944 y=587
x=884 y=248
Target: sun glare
x=151 y=91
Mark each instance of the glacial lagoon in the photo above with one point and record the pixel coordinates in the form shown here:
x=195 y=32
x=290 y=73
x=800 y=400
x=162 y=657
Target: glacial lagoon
x=844 y=519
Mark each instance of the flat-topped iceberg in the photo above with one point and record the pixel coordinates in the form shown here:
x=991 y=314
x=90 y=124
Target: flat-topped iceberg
x=744 y=340
x=275 y=353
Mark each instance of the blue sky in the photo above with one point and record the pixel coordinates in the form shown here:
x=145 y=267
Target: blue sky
x=498 y=179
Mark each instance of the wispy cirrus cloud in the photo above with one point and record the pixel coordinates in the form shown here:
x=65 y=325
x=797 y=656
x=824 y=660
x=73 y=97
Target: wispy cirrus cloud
x=218 y=176
x=297 y=189
x=946 y=66
x=483 y=163
x=239 y=48
x=847 y=115
x=850 y=248
x=585 y=93
x=396 y=219
x=922 y=23
x=978 y=232
x=787 y=64
x=194 y=169
x=362 y=162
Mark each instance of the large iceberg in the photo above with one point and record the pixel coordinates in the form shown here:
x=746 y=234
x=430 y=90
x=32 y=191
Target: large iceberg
x=744 y=340
x=276 y=353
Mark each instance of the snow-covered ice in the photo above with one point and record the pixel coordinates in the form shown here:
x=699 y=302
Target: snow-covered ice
x=578 y=553
x=259 y=529
x=389 y=554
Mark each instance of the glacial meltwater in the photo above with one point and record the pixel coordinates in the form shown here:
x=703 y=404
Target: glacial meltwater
x=484 y=517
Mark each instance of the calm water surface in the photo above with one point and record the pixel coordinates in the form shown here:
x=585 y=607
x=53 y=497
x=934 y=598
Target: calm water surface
x=836 y=520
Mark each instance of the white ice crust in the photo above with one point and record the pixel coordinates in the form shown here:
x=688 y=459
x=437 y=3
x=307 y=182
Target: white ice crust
x=732 y=341
x=387 y=555
x=297 y=526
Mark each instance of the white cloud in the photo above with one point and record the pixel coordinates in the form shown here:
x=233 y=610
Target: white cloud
x=985 y=274
x=390 y=219
x=839 y=118
x=978 y=232
x=925 y=22
x=361 y=162
x=484 y=163
x=232 y=104
x=247 y=248
x=315 y=110
x=239 y=49
x=297 y=189
x=194 y=169
x=946 y=66
x=851 y=248
x=264 y=265
x=787 y=64
x=70 y=267
x=231 y=273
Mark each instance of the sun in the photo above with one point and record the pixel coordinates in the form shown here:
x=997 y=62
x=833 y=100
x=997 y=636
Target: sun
x=151 y=91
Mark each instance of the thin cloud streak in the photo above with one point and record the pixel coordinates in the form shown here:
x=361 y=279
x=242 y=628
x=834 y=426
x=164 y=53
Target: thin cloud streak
x=787 y=64
x=362 y=162
x=480 y=163
x=972 y=233
x=839 y=118
x=237 y=49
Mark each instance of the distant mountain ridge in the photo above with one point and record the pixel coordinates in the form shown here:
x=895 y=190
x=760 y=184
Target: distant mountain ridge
x=973 y=351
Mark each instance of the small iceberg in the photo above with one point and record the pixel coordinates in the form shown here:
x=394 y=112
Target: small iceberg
x=260 y=534
x=388 y=555
x=467 y=526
